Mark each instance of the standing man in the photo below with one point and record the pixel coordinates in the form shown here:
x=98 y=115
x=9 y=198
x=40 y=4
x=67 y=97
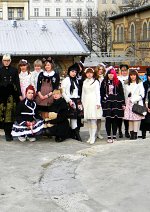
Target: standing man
x=10 y=93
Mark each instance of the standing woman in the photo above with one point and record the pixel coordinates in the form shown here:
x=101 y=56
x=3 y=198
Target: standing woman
x=112 y=99
x=24 y=76
x=100 y=69
x=48 y=80
x=145 y=123
x=10 y=93
x=91 y=102
x=134 y=93
x=71 y=93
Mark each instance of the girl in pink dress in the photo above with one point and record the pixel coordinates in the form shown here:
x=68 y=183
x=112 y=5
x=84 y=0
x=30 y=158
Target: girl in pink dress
x=24 y=76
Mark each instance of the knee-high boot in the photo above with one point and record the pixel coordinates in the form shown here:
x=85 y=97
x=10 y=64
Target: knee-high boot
x=77 y=134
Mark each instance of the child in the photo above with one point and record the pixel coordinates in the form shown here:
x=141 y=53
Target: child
x=112 y=98
x=58 y=117
x=24 y=75
x=28 y=122
x=134 y=92
x=100 y=69
x=91 y=102
x=71 y=93
x=36 y=72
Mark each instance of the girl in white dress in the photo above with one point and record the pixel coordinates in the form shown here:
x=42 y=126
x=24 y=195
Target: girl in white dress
x=91 y=102
x=100 y=69
x=24 y=76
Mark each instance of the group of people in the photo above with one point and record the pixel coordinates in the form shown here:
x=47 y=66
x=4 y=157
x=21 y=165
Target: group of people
x=37 y=103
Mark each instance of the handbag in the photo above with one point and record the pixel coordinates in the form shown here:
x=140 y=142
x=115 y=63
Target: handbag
x=139 y=109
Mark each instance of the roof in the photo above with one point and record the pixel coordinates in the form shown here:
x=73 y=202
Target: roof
x=130 y=12
x=40 y=37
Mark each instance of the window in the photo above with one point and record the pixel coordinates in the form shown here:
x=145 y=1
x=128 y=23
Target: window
x=113 y=1
x=57 y=12
x=118 y=37
x=89 y=12
x=121 y=34
x=125 y=1
x=20 y=13
x=36 y=12
x=145 y=31
x=132 y=32
x=47 y=12
x=103 y=1
x=1 y=13
x=10 y=13
x=79 y=12
x=149 y=30
x=68 y=12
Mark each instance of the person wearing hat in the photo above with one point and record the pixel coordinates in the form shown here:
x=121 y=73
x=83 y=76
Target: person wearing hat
x=145 y=123
x=71 y=92
x=10 y=93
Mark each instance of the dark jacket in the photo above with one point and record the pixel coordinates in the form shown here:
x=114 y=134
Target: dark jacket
x=61 y=123
x=27 y=111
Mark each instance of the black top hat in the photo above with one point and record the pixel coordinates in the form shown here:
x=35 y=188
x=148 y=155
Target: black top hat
x=74 y=67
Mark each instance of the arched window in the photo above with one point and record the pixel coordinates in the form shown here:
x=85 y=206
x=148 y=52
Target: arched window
x=149 y=30
x=121 y=34
x=132 y=29
x=145 y=31
x=118 y=34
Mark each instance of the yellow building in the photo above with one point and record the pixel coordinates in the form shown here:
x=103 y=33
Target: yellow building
x=14 y=9
x=131 y=36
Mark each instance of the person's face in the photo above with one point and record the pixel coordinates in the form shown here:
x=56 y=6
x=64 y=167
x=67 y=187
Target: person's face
x=30 y=94
x=23 y=68
x=37 y=68
x=6 y=62
x=89 y=75
x=110 y=76
x=73 y=73
x=100 y=71
x=57 y=96
x=48 y=66
x=124 y=71
x=148 y=77
x=133 y=77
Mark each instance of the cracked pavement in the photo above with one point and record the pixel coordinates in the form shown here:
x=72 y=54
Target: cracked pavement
x=73 y=176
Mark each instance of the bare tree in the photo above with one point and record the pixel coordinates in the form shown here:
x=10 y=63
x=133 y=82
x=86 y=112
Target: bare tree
x=95 y=31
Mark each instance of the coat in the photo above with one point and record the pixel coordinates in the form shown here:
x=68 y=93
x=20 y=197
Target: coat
x=61 y=126
x=9 y=94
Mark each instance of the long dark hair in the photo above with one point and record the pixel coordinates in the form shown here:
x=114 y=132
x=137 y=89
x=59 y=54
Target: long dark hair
x=133 y=72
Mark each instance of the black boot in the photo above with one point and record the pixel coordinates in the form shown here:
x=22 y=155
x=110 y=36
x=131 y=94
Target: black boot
x=77 y=135
x=131 y=135
x=7 y=130
x=143 y=134
x=135 y=135
x=120 y=134
x=127 y=135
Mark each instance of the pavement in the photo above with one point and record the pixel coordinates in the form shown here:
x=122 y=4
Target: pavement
x=74 y=176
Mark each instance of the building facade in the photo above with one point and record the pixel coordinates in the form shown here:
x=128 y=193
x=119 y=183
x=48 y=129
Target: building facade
x=14 y=9
x=67 y=9
x=131 y=35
